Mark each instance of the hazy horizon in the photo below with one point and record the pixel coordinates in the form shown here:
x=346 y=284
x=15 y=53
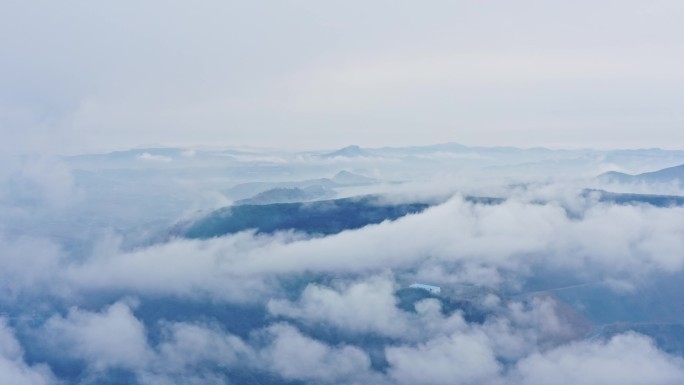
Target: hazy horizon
x=80 y=77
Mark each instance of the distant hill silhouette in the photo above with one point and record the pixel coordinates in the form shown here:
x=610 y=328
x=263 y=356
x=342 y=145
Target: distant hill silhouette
x=341 y=179
x=348 y=152
x=349 y=178
x=320 y=217
x=666 y=175
x=289 y=195
x=632 y=199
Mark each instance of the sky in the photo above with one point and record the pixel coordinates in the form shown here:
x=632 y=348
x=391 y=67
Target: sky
x=80 y=76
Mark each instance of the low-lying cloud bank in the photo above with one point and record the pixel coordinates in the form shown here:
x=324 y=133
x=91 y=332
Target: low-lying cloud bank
x=454 y=243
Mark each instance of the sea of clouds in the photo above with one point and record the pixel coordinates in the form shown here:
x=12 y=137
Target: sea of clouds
x=84 y=301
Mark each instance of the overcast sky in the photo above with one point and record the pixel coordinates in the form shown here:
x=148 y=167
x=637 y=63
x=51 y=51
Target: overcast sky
x=81 y=76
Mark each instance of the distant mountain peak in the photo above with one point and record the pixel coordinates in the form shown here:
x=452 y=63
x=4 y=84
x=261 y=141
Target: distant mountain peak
x=349 y=178
x=665 y=175
x=289 y=195
x=348 y=152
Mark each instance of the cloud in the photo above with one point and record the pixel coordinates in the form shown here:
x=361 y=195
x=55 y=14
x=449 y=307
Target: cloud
x=367 y=307
x=624 y=359
x=36 y=184
x=182 y=267
x=113 y=338
x=458 y=359
x=295 y=356
x=32 y=266
x=13 y=369
x=511 y=329
x=188 y=153
x=195 y=353
x=146 y=156
x=359 y=307
x=189 y=345
x=453 y=243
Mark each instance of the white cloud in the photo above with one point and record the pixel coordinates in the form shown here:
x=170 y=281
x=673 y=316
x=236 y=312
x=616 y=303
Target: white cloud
x=454 y=243
x=457 y=359
x=189 y=153
x=108 y=339
x=188 y=345
x=146 y=156
x=625 y=359
x=296 y=356
x=13 y=369
x=360 y=307
x=181 y=267
x=31 y=265
x=367 y=307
